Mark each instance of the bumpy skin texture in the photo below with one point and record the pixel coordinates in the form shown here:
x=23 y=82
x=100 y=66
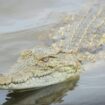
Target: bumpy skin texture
x=80 y=40
x=33 y=72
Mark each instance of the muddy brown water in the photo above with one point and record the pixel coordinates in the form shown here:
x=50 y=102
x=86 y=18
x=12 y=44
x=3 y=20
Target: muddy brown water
x=26 y=23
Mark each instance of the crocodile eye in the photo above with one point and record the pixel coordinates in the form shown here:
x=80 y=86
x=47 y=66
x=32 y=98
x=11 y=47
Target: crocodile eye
x=45 y=59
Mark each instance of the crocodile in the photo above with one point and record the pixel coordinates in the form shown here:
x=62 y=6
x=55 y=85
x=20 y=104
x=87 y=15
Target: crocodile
x=79 y=41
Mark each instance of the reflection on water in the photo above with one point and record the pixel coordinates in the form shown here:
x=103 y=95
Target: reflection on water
x=44 y=96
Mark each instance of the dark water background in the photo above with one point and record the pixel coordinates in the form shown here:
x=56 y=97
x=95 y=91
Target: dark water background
x=24 y=24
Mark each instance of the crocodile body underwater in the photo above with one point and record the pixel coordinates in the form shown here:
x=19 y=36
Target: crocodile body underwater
x=79 y=41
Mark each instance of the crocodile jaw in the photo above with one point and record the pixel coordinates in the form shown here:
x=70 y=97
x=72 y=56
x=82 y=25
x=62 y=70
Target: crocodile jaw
x=39 y=82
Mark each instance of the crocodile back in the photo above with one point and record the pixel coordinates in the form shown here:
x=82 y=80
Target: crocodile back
x=84 y=31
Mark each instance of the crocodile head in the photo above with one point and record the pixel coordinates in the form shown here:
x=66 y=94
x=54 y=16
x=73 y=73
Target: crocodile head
x=40 y=67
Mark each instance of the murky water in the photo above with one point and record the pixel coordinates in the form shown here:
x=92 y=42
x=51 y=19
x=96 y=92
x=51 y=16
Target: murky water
x=26 y=23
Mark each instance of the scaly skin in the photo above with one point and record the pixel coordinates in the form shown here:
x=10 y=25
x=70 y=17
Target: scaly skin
x=74 y=44
x=33 y=72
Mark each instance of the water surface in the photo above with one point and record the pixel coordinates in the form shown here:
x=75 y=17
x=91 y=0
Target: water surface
x=26 y=23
